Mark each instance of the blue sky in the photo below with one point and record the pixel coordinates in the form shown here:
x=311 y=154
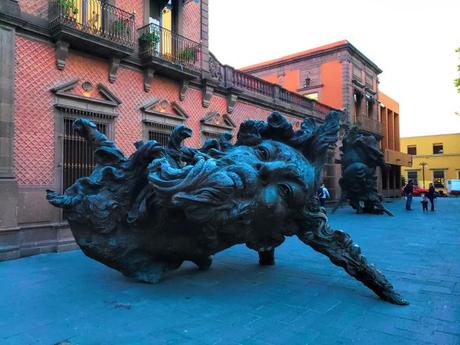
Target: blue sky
x=412 y=41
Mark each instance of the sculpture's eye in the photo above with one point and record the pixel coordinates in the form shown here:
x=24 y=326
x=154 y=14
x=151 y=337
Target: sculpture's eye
x=285 y=190
x=263 y=153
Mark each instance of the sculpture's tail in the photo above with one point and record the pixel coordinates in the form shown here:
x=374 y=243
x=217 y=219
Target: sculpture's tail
x=388 y=212
x=340 y=249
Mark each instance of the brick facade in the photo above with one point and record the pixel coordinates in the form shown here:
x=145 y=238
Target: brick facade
x=50 y=72
x=38 y=8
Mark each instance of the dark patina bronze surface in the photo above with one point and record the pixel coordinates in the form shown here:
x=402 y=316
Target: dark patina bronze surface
x=147 y=214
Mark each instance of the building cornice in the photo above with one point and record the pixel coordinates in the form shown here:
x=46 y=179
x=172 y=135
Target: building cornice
x=290 y=59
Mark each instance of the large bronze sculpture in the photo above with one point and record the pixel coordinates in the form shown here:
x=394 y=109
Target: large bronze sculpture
x=360 y=156
x=146 y=214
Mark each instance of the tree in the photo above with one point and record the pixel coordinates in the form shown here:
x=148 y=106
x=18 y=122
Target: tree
x=457 y=81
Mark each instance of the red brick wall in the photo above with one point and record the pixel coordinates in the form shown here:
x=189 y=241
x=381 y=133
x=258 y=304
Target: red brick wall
x=34 y=112
x=34 y=7
x=192 y=20
x=131 y=6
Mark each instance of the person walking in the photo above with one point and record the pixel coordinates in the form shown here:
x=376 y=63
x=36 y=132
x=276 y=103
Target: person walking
x=408 y=191
x=323 y=194
x=431 y=195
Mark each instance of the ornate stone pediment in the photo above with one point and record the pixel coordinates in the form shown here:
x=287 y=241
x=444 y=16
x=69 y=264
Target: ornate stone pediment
x=86 y=98
x=215 y=119
x=215 y=123
x=160 y=110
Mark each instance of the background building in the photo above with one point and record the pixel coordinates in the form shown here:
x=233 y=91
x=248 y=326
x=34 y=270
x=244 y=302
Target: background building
x=394 y=158
x=136 y=68
x=340 y=76
x=435 y=159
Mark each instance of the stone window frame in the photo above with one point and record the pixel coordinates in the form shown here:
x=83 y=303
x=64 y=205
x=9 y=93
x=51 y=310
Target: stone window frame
x=414 y=180
x=214 y=124
x=412 y=147
x=439 y=182
x=161 y=122
x=69 y=105
x=438 y=149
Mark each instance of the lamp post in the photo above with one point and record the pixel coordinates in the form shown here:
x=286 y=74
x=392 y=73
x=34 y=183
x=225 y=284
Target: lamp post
x=423 y=164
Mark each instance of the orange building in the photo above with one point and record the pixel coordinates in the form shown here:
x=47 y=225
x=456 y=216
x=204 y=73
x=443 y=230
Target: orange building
x=335 y=74
x=339 y=75
x=394 y=158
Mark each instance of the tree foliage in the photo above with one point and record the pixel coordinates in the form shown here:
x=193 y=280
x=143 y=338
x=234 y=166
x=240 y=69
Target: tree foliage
x=457 y=81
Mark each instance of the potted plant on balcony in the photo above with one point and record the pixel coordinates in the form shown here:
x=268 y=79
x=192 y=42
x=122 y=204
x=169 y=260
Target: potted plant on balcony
x=189 y=55
x=121 y=29
x=149 y=40
x=69 y=10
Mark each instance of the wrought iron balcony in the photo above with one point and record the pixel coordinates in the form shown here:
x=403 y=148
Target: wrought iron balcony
x=166 y=51
x=93 y=25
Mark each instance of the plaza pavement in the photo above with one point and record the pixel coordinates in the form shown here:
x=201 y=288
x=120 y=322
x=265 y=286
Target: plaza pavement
x=69 y=299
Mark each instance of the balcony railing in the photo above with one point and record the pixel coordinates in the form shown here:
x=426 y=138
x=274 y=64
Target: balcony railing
x=259 y=86
x=256 y=85
x=158 y=42
x=369 y=124
x=95 y=18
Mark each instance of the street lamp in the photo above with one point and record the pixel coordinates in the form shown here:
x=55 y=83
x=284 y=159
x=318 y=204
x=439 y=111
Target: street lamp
x=423 y=164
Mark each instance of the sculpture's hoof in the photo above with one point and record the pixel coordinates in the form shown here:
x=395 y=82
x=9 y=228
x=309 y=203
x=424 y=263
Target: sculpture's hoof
x=204 y=263
x=267 y=257
x=393 y=297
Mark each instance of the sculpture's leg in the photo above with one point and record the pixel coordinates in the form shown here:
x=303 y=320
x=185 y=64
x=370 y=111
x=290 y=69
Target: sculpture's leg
x=338 y=246
x=203 y=263
x=267 y=257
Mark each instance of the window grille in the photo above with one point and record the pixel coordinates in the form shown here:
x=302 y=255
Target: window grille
x=159 y=132
x=78 y=156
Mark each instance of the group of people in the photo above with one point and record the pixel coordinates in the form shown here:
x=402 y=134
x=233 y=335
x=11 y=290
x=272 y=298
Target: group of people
x=323 y=195
x=425 y=197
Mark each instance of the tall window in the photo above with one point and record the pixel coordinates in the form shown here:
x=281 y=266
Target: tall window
x=162 y=13
x=412 y=150
x=438 y=178
x=159 y=132
x=412 y=175
x=78 y=156
x=370 y=108
x=357 y=98
x=357 y=73
x=438 y=149
x=369 y=81
x=86 y=13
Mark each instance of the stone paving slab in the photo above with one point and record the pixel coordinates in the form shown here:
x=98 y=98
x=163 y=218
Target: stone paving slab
x=69 y=299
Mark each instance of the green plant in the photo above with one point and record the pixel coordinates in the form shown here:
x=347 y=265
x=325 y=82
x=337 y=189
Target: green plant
x=119 y=25
x=457 y=81
x=68 y=6
x=188 y=54
x=150 y=38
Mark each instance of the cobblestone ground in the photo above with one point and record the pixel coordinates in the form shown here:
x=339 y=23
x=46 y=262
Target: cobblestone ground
x=68 y=299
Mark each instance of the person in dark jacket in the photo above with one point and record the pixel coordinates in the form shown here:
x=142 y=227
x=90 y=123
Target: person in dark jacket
x=431 y=195
x=408 y=191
